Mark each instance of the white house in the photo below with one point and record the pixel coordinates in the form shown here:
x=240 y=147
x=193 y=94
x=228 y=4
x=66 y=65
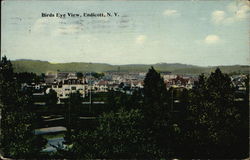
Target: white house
x=65 y=87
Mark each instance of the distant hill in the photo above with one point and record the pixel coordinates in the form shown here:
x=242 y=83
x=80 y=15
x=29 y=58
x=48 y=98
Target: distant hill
x=39 y=67
x=30 y=60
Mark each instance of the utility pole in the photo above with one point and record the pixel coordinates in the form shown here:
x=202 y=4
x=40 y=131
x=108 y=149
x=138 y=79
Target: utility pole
x=90 y=95
x=69 y=115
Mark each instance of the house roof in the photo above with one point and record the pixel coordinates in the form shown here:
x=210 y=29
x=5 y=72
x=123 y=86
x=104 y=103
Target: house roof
x=102 y=83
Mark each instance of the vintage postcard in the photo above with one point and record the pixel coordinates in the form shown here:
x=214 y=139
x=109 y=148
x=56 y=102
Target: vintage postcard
x=124 y=79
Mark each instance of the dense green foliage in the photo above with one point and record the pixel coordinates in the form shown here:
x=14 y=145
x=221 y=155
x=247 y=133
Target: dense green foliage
x=26 y=77
x=155 y=97
x=97 y=75
x=51 y=98
x=44 y=67
x=17 y=123
x=214 y=127
x=79 y=75
x=73 y=106
x=118 y=135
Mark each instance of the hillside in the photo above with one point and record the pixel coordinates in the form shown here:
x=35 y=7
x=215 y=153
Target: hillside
x=39 y=67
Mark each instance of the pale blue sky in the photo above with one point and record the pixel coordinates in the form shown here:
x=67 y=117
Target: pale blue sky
x=191 y=32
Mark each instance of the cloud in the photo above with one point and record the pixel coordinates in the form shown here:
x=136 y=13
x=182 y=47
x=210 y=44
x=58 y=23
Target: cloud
x=69 y=29
x=55 y=26
x=211 y=39
x=171 y=12
x=140 y=39
x=46 y=25
x=40 y=24
x=218 y=16
x=235 y=12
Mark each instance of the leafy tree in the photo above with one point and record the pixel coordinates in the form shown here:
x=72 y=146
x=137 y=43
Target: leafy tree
x=121 y=85
x=79 y=75
x=51 y=98
x=213 y=118
x=118 y=135
x=97 y=75
x=26 y=77
x=42 y=77
x=17 y=138
x=116 y=100
x=7 y=73
x=72 y=114
x=136 y=100
x=157 y=111
x=75 y=103
x=243 y=131
x=155 y=96
x=112 y=100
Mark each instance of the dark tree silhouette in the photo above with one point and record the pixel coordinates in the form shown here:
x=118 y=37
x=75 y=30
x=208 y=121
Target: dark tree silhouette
x=214 y=119
x=72 y=114
x=79 y=75
x=51 y=98
x=155 y=97
x=17 y=138
x=157 y=113
x=117 y=136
